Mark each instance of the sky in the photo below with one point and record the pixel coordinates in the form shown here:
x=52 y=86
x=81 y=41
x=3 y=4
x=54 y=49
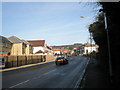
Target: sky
x=58 y=23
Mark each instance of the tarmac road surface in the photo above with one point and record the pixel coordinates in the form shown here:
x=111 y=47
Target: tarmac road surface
x=48 y=75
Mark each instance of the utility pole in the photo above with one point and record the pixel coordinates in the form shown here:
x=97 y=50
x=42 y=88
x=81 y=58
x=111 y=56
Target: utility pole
x=91 y=45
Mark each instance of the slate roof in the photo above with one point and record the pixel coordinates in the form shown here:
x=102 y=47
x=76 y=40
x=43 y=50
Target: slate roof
x=4 y=39
x=49 y=47
x=26 y=42
x=14 y=39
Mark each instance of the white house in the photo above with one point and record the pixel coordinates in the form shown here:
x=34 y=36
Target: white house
x=56 y=51
x=88 y=48
x=39 y=47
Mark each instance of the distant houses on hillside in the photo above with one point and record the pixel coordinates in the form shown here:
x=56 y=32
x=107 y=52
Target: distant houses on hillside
x=76 y=49
x=61 y=51
x=57 y=51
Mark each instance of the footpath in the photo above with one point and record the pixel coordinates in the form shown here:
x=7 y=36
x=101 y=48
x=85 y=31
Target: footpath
x=26 y=66
x=94 y=76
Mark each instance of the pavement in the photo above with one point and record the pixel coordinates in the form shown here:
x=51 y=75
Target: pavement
x=95 y=77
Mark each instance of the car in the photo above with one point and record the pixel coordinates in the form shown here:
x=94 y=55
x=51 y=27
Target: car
x=69 y=55
x=2 y=62
x=61 y=60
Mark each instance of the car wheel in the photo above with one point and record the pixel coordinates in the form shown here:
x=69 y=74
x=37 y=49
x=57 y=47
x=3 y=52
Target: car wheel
x=57 y=63
x=67 y=62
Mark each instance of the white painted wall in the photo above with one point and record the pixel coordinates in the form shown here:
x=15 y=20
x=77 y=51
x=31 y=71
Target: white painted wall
x=90 y=49
x=58 y=52
x=36 y=49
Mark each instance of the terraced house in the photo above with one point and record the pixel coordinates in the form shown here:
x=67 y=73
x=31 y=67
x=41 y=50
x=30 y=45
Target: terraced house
x=20 y=47
x=5 y=46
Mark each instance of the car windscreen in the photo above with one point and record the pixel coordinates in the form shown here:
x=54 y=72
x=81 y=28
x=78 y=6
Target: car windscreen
x=60 y=58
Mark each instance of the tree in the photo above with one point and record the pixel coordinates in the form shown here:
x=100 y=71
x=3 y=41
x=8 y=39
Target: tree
x=113 y=17
x=99 y=35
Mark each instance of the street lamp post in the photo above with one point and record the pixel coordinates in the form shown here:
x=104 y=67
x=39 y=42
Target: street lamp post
x=108 y=42
x=106 y=28
x=91 y=45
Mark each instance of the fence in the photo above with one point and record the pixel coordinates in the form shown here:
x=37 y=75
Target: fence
x=16 y=61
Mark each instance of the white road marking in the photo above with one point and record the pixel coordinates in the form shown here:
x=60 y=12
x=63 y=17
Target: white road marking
x=76 y=86
x=49 y=72
x=37 y=77
x=81 y=76
x=31 y=79
x=19 y=84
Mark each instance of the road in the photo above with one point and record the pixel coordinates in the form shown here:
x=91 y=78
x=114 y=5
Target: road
x=47 y=76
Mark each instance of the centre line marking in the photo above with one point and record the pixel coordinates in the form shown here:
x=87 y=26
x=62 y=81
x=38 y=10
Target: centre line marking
x=19 y=84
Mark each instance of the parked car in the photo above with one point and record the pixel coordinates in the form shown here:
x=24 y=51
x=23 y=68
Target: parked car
x=2 y=62
x=61 y=60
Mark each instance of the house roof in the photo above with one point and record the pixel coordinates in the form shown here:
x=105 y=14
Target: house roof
x=36 y=43
x=4 y=39
x=40 y=51
x=49 y=47
x=89 y=45
x=15 y=39
x=65 y=50
x=46 y=51
x=26 y=42
x=56 y=49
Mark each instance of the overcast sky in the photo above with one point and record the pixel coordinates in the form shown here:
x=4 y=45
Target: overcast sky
x=58 y=23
